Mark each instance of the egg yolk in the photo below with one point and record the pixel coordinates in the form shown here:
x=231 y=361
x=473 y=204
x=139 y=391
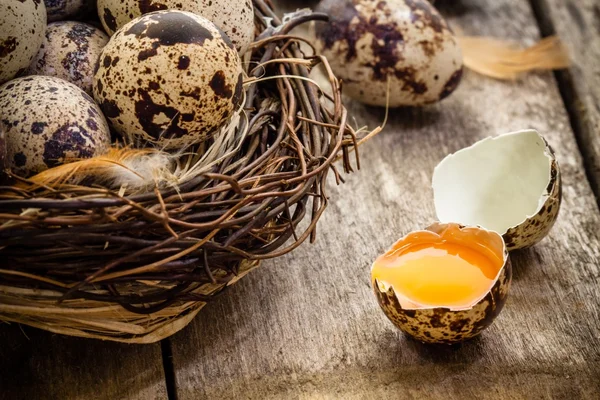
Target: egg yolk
x=439 y=274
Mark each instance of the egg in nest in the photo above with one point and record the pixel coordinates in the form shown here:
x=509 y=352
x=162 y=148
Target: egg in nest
x=234 y=17
x=22 y=27
x=405 y=42
x=49 y=122
x=70 y=51
x=444 y=284
x=59 y=10
x=169 y=77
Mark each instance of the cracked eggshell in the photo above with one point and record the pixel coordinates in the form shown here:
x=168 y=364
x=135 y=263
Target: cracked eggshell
x=49 y=122
x=59 y=10
x=170 y=77
x=70 y=51
x=234 y=17
x=406 y=41
x=22 y=27
x=442 y=325
x=510 y=184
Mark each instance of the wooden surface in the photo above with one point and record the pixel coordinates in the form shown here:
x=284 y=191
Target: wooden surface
x=39 y=365
x=578 y=24
x=307 y=326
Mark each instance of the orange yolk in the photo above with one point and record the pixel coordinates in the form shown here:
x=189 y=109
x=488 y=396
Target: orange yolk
x=439 y=274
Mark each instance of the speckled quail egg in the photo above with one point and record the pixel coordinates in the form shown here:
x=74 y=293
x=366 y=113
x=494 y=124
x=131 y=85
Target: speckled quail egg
x=407 y=42
x=70 y=51
x=170 y=77
x=49 y=122
x=22 y=27
x=444 y=284
x=59 y=10
x=234 y=17
x=3 y=160
x=510 y=184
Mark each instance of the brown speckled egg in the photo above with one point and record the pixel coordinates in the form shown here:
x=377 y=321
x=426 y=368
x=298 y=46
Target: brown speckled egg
x=234 y=17
x=59 y=10
x=509 y=183
x=444 y=324
x=22 y=27
x=70 y=51
x=49 y=122
x=3 y=160
x=407 y=42
x=170 y=78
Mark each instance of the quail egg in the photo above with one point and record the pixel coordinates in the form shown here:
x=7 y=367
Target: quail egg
x=70 y=51
x=234 y=17
x=510 y=184
x=59 y=10
x=22 y=27
x=49 y=122
x=444 y=284
x=401 y=47
x=170 y=78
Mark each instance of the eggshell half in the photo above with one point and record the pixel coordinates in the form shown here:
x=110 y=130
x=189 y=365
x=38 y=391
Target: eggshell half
x=22 y=27
x=510 y=184
x=234 y=17
x=406 y=42
x=444 y=325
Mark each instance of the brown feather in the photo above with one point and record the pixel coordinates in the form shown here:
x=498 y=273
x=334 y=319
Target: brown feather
x=504 y=60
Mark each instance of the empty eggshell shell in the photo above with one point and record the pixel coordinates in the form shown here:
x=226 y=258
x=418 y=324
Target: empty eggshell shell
x=443 y=325
x=234 y=17
x=510 y=184
x=22 y=27
x=49 y=122
x=70 y=51
x=406 y=41
x=171 y=78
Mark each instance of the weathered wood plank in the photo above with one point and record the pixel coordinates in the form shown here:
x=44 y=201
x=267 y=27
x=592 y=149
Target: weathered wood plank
x=577 y=22
x=308 y=326
x=39 y=365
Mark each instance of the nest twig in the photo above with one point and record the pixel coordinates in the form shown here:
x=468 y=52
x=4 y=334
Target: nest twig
x=88 y=261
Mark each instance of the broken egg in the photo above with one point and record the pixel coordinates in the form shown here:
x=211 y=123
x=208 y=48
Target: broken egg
x=401 y=46
x=170 y=78
x=444 y=284
x=510 y=184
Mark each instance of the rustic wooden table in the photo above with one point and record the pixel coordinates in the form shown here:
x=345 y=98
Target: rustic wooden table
x=307 y=325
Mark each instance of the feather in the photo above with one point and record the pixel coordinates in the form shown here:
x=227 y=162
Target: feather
x=504 y=60
x=135 y=169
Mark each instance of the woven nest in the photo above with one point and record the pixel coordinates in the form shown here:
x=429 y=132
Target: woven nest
x=94 y=262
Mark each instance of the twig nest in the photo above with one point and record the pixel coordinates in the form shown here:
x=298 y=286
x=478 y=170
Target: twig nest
x=510 y=184
x=59 y=10
x=423 y=287
x=234 y=17
x=49 y=122
x=70 y=51
x=22 y=27
x=404 y=41
x=169 y=77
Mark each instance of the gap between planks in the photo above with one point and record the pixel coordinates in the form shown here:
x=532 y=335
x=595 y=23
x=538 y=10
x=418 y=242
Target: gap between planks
x=571 y=99
x=166 y=349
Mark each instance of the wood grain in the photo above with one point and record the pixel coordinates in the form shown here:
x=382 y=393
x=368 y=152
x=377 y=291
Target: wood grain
x=35 y=364
x=577 y=22
x=308 y=326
